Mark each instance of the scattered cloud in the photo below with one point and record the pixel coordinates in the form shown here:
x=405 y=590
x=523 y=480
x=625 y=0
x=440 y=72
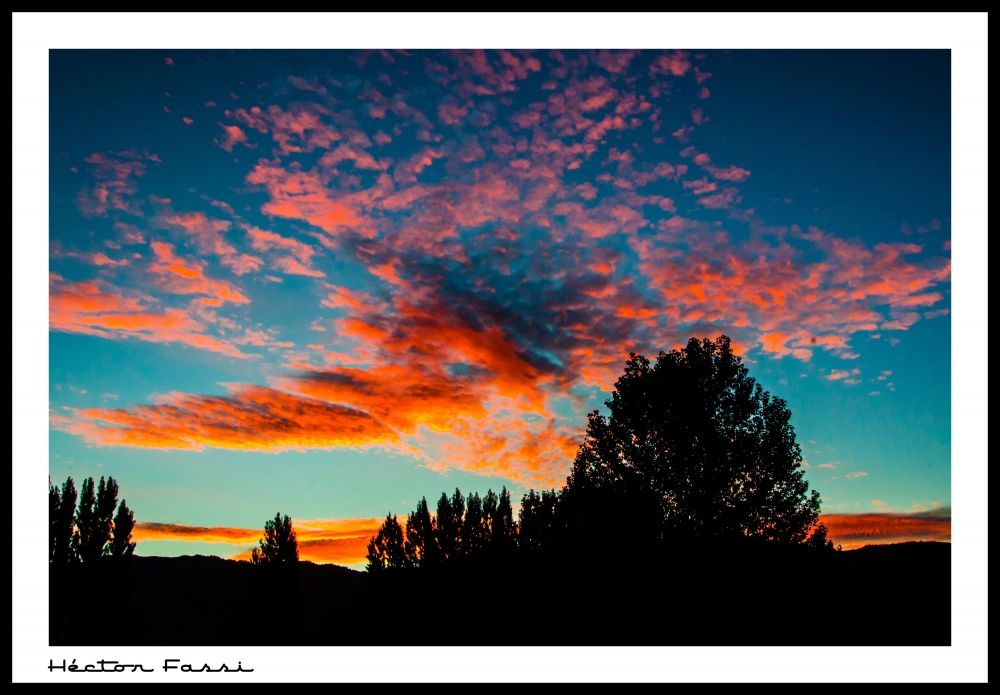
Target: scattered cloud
x=503 y=253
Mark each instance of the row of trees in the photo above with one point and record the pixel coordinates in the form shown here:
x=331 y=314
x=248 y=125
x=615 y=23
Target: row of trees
x=693 y=449
x=92 y=529
x=462 y=526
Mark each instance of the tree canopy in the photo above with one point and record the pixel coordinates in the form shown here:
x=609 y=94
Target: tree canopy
x=696 y=436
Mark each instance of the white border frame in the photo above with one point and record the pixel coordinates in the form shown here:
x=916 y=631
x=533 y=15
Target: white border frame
x=965 y=34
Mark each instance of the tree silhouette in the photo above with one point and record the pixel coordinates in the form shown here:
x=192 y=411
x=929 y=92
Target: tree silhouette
x=448 y=524
x=473 y=526
x=122 y=544
x=421 y=546
x=696 y=440
x=92 y=534
x=537 y=518
x=94 y=518
x=90 y=544
x=278 y=545
x=386 y=550
x=503 y=530
x=62 y=506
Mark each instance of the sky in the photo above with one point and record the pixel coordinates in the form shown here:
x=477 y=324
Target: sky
x=331 y=283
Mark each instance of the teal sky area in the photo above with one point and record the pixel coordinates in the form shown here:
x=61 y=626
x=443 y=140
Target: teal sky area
x=331 y=283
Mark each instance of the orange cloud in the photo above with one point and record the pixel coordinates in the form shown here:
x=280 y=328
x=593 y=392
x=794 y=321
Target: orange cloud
x=150 y=531
x=98 y=308
x=300 y=260
x=180 y=276
x=857 y=530
x=252 y=418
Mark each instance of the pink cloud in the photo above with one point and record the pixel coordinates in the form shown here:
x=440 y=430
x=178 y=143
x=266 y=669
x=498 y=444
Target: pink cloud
x=300 y=129
x=674 y=63
x=114 y=187
x=100 y=309
x=181 y=276
x=232 y=135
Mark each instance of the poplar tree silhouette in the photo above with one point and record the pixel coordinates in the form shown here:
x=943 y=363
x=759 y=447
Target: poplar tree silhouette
x=463 y=526
x=279 y=544
x=95 y=518
x=695 y=441
x=386 y=549
x=90 y=544
x=122 y=544
x=448 y=524
x=62 y=508
x=503 y=530
x=421 y=546
x=473 y=526
x=538 y=525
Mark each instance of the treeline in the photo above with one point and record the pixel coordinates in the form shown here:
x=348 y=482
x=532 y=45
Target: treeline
x=92 y=529
x=90 y=568
x=693 y=452
x=462 y=526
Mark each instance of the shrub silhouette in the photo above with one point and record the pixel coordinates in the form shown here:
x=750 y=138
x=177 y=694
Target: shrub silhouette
x=278 y=545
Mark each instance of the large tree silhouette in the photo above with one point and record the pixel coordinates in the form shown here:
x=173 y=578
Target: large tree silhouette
x=694 y=441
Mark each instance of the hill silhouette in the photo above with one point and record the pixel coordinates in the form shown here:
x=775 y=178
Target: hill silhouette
x=876 y=595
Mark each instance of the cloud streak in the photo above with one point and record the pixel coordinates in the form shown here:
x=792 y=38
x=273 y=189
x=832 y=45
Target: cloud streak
x=253 y=418
x=336 y=541
x=857 y=530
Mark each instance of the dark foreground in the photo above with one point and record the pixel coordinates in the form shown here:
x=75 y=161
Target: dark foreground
x=878 y=595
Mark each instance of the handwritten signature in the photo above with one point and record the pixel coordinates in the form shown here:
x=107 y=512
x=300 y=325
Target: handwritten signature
x=111 y=666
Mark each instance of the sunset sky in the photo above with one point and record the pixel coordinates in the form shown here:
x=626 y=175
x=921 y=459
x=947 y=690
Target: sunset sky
x=330 y=283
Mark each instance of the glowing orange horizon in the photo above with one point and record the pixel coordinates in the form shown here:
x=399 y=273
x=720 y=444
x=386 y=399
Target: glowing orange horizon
x=345 y=541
